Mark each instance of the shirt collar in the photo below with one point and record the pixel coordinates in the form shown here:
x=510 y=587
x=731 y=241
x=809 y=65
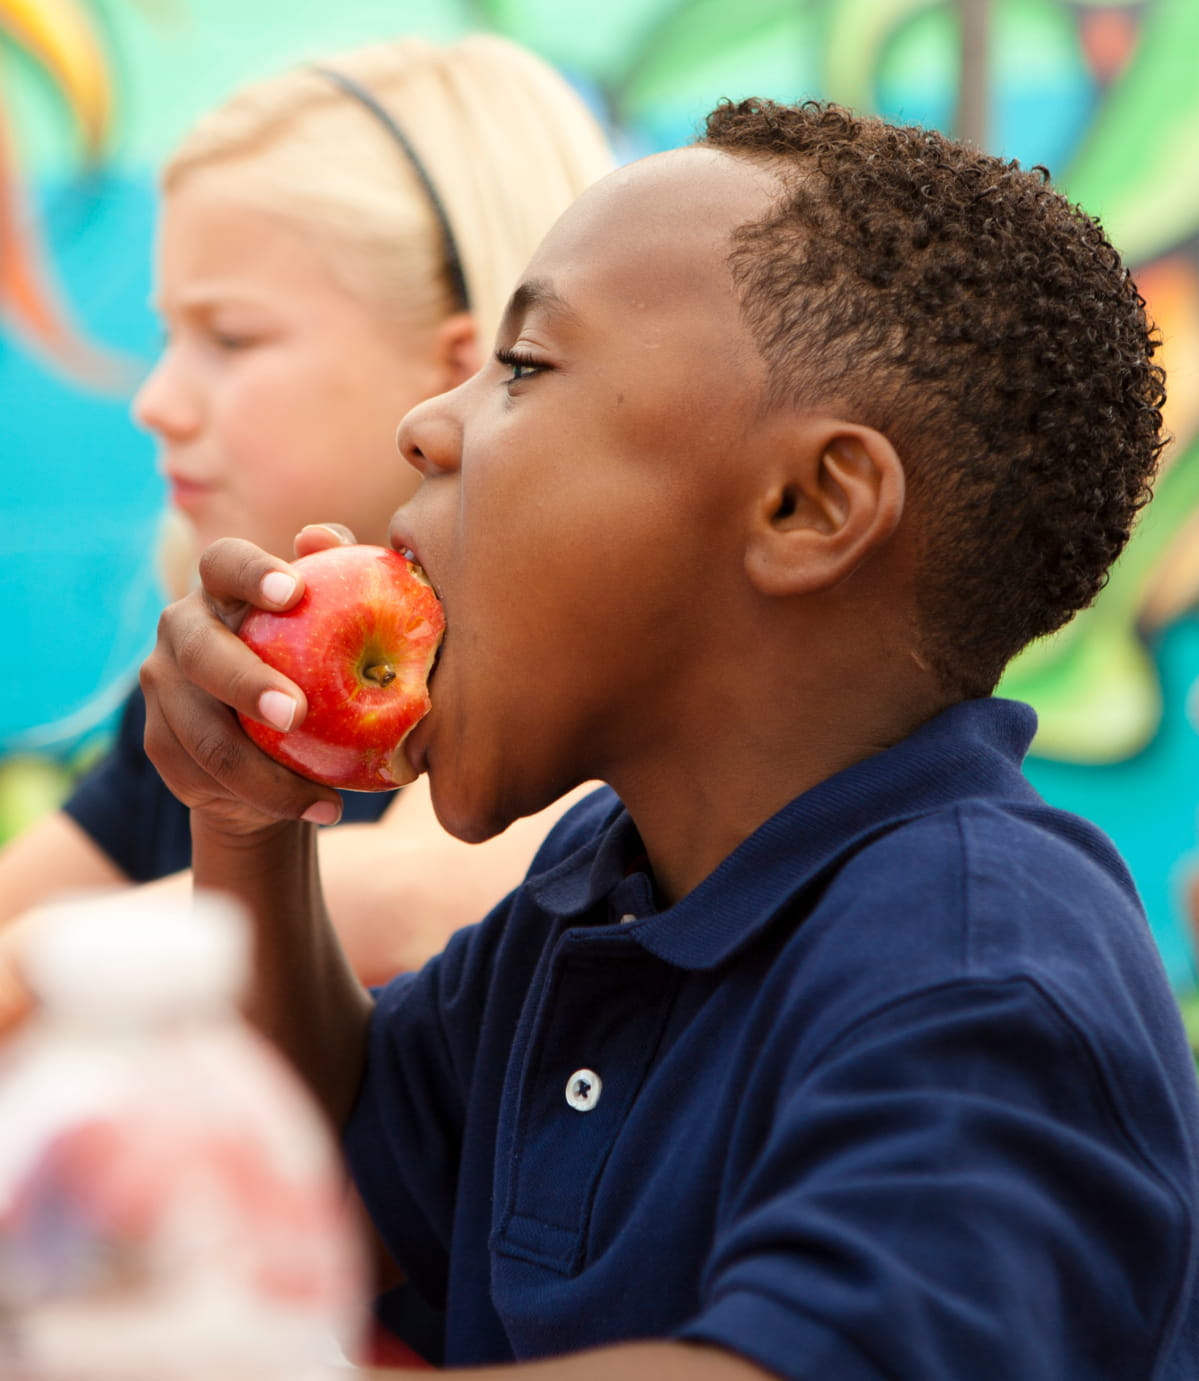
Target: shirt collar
x=974 y=748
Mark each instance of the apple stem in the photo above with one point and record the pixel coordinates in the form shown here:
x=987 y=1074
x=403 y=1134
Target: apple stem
x=380 y=673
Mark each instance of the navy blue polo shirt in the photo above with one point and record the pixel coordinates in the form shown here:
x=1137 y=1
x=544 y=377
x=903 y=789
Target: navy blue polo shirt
x=899 y=1091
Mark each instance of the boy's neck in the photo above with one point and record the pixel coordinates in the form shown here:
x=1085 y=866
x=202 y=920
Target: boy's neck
x=693 y=809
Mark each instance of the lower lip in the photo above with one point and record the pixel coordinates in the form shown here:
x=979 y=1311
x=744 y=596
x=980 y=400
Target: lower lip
x=187 y=494
x=414 y=745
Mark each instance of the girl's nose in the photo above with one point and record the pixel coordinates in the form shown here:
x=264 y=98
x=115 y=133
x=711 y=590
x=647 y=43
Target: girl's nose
x=163 y=406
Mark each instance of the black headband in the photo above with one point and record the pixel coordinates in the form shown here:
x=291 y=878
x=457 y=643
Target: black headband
x=453 y=263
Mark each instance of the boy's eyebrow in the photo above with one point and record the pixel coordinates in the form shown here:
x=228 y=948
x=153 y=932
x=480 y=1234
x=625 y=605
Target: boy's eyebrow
x=535 y=294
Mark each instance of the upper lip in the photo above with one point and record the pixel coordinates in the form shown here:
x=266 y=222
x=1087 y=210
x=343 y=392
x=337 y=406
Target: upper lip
x=402 y=542
x=177 y=477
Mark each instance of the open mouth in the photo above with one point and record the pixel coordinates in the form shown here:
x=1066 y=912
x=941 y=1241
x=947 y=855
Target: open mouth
x=414 y=561
x=419 y=571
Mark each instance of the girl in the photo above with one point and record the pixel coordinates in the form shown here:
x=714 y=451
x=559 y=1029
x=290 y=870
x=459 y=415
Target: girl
x=336 y=244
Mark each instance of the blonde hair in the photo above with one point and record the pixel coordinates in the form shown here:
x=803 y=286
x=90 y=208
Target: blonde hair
x=507 y=143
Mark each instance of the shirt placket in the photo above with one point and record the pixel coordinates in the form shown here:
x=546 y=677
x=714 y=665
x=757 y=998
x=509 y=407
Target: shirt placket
x=590 y=1048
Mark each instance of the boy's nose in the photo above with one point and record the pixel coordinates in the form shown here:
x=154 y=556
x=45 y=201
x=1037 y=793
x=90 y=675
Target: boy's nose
x=163 y=406
x=430 y=436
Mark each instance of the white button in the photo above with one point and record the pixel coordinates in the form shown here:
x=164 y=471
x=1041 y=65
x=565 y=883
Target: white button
x=627 y=917
x=583 y=1089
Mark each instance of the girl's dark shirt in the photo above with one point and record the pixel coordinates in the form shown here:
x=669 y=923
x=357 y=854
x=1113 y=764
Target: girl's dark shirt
x=123 y=806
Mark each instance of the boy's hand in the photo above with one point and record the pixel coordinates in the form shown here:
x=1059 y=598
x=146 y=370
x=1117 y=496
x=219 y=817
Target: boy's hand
x=200 y=672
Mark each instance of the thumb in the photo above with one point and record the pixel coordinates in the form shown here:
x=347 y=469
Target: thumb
x=322 y=536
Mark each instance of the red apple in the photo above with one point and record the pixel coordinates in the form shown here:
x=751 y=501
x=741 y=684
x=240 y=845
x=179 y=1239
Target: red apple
x=360 y=643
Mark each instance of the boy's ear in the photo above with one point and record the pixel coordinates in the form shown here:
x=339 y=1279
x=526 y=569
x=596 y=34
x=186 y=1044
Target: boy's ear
x=835 y=495
x=457 y=351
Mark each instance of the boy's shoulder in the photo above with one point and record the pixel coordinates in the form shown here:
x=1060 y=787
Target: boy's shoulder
x=999 y=905
x=984 y=891
x=940 y=854
x=984 y=886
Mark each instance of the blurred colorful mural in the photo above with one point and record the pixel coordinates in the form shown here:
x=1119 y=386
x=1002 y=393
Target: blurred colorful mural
x=93 y=93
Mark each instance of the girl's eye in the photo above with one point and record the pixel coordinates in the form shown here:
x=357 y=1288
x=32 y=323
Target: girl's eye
x=229 y=340
x=521 y=365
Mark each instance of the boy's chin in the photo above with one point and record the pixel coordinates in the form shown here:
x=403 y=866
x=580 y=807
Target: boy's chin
x=474 y=819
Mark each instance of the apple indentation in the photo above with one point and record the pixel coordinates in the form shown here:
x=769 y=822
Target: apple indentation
x=381 y=673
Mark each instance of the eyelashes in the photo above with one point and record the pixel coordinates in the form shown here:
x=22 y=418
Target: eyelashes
x=520 y=364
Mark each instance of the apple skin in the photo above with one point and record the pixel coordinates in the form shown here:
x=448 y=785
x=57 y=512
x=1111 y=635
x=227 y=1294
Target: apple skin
x=360 y=643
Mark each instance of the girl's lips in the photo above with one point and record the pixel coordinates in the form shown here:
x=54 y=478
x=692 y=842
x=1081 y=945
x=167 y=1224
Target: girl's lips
x=187 y=494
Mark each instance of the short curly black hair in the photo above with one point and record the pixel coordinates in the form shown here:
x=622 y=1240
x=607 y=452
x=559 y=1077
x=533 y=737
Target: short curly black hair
x=961 y=306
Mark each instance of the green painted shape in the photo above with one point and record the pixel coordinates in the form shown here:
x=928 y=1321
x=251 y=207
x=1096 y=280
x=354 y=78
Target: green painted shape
x=712 y=51
x=1032 y=41
x=858 y=32
x=1188 y=1006
x=1097 y=698
x=1093 y=684
x=700 y=31
x=600 y=40
x=30 y=787
x=1135 y=167
x=923 y=53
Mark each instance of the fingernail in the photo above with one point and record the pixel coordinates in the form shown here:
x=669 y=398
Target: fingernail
x=277 y=587
x=334 y=531
x=322 y=813
x=277 y=709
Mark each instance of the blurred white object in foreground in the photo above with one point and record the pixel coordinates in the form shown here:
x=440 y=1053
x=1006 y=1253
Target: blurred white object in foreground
x=171 y=1202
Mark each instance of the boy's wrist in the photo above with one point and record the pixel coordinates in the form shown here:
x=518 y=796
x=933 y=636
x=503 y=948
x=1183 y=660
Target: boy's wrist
x=270 y=869
x=236 y=833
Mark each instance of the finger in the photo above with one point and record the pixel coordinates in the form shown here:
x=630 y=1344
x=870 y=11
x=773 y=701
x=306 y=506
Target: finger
x=235 y=574
x=322 y=536
x=196 y=649
x=209 y=763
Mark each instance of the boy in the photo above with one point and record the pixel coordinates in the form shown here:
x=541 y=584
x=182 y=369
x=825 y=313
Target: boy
x=819 y=1046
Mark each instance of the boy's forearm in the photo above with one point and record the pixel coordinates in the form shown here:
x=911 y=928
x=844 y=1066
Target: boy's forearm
x=304 y=996
x=665 y=1361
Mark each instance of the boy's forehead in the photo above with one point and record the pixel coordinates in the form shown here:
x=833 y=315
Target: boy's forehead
x=666 y=218
x=668 y=186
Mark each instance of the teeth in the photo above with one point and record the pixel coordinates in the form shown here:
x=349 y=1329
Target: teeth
x=417 y=569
